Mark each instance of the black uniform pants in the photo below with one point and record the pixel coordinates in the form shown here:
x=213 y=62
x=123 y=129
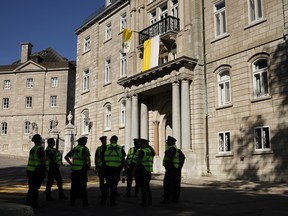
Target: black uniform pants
x=143 y=179
x=78 y=186
x=54 y=174
x=112 y=177
x=172 y=184
x=35 y=179
x=130 y=180
x=101 y=175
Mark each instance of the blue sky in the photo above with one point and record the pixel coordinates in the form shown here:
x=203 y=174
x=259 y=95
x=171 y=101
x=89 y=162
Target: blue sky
x=42 y=23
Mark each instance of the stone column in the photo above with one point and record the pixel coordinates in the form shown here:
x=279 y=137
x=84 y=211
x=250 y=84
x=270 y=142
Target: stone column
x=144 y=120
x=176 y=112
x=185 y=115
x=156 y=137
x=135 y=118
x=128 y=113
x=69 y=131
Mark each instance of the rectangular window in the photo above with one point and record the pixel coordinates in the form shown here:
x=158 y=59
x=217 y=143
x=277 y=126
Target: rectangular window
x=123 y=113
x=260 y=78
x=224 y=142
x=123 y=64
x=54 y=82
x=28 y=102
x=163 y=12
x=25 y=147
x=4 y=128
x=255 y=10
x=53 y=101
x=86 y=77
x=123 y=21
x=29 y=83
x=107 y=70
x=27 y=127
x=224 y=96
x=87 y=44
x=153 y=18
x=174 y=8
x=220 y=18
x=262 y=138
x=108 y=32
x=5 y=103
x=5 y=147
x=6 y=84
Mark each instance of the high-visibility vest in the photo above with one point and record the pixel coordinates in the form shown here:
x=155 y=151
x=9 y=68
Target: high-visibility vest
x=58 y=159
x=33 y=160
x=147 y=160
x=113 y=155
x=77 y=157
x=131 y=156
x=176 y=160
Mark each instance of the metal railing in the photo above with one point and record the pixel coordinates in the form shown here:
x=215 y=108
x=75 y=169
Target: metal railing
x=167 y=24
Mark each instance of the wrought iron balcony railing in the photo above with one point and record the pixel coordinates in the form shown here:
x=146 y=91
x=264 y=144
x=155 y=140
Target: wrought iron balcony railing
x=165 y=25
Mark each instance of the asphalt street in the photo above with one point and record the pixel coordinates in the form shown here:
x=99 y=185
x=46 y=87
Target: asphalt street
x=204 y=196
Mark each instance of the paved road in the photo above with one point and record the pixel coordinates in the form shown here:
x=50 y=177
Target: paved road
x=205 y=197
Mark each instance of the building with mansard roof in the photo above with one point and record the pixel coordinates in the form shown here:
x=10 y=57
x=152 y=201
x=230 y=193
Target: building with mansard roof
x=212 y=74
x=37 y=93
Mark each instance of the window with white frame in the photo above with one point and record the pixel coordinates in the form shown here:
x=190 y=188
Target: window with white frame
x=108 y=32
x=28 y=102
x=27 y=127
x=54 y=82
x=224 y=142
x=52 y=125
x=86 y=80
x=260 y=78
x=5 y=103
x=163 y=13
x=262 y=138
x=220 y=18
x=122 y=113
x=255 y=10
x=85 y=122
x=174 y=8
x=4 y=128
x=123 y=21
x=108 y=117
x=224 y=92
x=7 y=84
x=53 y=101
x=123 y=64
x=87 y=43
x=29 y=83
x=107 y=70
x=153 y=18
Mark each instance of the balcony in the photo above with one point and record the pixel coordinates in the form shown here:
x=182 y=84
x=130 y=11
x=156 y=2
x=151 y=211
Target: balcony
x=169 y=25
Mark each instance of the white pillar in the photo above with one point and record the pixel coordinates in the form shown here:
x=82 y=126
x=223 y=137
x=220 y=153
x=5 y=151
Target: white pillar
x=128 y=117
x=185 y=115
x=176 y=113
x=135 y=118
x=144 y=120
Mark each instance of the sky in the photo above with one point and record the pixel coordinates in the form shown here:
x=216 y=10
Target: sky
x=42 y=23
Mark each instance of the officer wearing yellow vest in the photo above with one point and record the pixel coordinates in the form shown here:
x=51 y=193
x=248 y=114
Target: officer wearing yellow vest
x=114 y=157
x=80 y=156
x=54 y=159
x=100 y=166
x=143 y=170
x=131 y=161
x=173 y=162
x=35 y=171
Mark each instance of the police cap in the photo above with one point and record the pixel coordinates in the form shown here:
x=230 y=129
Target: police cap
x=171 y=139
x=144 y=141
x=81 y=139
x=102 y=138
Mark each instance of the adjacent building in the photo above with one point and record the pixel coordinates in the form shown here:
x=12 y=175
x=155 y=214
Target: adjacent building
x=37 y=93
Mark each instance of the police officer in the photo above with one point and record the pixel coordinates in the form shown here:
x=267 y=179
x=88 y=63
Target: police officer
x=131 y=161
x=35 y=171
x=80 y=156
x=100 y=164
x=54 y=159
x=173 y=162
x=114 y=157
x=143 y=170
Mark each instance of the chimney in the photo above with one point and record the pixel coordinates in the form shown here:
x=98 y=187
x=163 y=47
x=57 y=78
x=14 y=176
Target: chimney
x=26 y=49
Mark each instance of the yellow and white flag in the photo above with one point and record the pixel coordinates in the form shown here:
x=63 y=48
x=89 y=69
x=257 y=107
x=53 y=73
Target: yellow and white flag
x=151 y=53
x=126 y=40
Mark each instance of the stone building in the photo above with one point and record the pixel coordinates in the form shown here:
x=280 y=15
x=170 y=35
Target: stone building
x=218 y=84
x=37 y=93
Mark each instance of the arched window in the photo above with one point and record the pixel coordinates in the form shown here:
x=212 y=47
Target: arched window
x=260 y=78
x=108 y=117
x=27 y=127
x=224 y=92
x=52 y=124
x=85 y=122
x=122 y=113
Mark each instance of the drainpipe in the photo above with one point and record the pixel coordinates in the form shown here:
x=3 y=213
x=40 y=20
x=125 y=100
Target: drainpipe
x=206 y=90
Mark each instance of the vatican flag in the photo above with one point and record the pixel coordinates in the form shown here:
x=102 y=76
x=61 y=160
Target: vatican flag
x=126 y=40
x=151 y=53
